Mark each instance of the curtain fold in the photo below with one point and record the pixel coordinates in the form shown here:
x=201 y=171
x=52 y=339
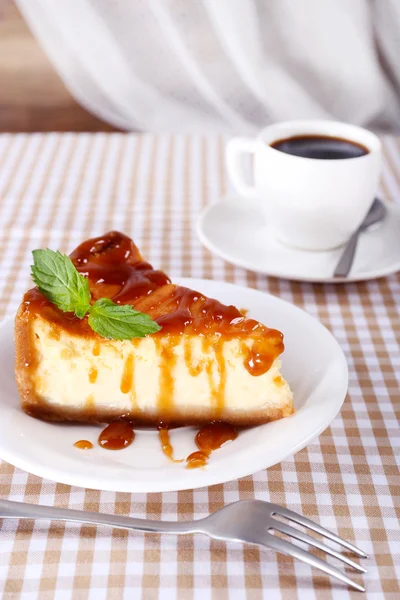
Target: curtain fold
x=225 y=65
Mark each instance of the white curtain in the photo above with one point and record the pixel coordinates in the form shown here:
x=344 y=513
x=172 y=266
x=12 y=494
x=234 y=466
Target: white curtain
x=225 y=65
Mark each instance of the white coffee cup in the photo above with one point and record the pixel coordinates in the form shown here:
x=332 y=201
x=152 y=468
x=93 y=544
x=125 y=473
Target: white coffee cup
x=309 y=203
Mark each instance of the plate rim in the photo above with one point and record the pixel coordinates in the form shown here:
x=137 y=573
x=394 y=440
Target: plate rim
x=244 y=264
x=212 y=478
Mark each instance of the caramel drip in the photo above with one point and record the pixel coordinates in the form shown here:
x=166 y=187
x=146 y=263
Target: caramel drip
x=210 y=438
x=166 y=447
x=117 y=435
x=83 y=444
x=259 y=357
x=194 y=370
x=90 y=402
x=166 y=383
x=93 y=374
x=197 y=459
x=205 y=346
x=219 y=392
x=278 y=381
x=96 y=349
x=127 y=375
x=54 y=333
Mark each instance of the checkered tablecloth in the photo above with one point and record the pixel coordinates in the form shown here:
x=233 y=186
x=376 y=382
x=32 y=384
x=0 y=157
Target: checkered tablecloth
x=56 y=190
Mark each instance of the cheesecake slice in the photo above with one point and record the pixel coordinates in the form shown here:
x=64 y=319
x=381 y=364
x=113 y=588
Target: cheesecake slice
x=208 y=362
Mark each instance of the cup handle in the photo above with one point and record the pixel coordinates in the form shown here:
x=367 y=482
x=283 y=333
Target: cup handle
x=235 y=149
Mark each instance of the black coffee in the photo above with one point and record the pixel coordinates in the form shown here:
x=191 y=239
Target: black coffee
x=320 y=146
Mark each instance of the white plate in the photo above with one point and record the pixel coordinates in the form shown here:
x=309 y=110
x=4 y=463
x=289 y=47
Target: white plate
x=235 y=229
x=313 y=363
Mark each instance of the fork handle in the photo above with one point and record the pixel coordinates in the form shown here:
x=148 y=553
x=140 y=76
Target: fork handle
x=22 y=510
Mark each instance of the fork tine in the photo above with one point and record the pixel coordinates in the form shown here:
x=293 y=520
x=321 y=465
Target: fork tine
x=300 y=520
x=285 y=547
x=303 y=537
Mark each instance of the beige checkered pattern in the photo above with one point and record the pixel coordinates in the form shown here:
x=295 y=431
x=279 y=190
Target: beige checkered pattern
x=56 y=190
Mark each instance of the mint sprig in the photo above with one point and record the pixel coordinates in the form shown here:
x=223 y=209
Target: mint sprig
x=57 y=278
x=118 y=321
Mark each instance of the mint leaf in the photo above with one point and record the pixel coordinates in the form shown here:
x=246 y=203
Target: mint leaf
x=57 y=278
x=120 y=322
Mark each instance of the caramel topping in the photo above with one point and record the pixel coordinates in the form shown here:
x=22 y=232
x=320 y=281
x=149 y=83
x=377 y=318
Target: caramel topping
x=209 y=438
x=84 y=445
x=116 y=270
x=212 y=436
x=219 y=393
x=205 y=345
x=261 y=355
x=127 y=375
x=117 y=435
x=163 y=434
x=96 y=349
x=90 y=403
x=166 y=380
x=93 y=375
x=55 y=334
x=217 y=388
x=197 y=459
x=193 y=369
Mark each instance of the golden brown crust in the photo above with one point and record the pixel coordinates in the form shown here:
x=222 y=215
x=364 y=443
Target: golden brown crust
x=25 y=359
x=40 y=409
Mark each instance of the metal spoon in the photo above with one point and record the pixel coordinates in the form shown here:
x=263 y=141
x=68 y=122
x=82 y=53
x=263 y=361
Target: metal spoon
x=375 y=215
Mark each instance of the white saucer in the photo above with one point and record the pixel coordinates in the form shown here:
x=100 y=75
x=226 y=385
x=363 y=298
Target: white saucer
x=235 y=229
x=317 y=377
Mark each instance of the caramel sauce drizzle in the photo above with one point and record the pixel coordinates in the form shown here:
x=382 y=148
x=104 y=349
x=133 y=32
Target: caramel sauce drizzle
x=219 y=392
x=127 y=375
x=55 y=334
x=89 y=403
x=166 y=382
x=120 y=434
x=166 y=447
x=83 y=445
x=93 y=374
x=117 y=435
x=115 y=269
x=209 y=438
x=205 y=346
x=194 y=370
x=96 y=348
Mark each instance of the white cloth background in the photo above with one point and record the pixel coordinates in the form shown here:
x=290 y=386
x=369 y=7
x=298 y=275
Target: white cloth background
x=225 y=65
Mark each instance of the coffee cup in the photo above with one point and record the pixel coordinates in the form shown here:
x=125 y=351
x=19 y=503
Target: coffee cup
x=313 y=180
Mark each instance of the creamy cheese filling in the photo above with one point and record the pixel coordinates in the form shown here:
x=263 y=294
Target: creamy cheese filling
x=153 y=374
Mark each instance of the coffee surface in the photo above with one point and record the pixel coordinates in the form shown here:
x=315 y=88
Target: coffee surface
x=320 y=146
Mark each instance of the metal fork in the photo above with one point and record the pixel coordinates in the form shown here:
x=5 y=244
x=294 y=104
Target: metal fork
x=249 y=521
